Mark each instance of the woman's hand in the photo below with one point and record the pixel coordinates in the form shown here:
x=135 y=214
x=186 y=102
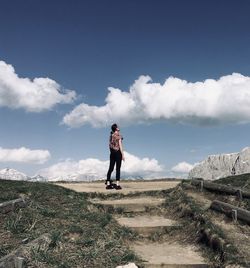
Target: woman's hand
x=123 y=158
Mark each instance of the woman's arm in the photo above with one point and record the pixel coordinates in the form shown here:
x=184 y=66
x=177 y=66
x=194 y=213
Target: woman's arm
x=121 y=149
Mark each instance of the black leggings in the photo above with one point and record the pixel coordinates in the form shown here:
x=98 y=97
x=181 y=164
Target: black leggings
x=115 y=158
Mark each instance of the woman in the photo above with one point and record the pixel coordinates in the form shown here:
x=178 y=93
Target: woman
x=116 y=157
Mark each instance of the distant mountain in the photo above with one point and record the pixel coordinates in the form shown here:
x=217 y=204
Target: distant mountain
x=12 y=174
x=132 y=178
x=76 y=177
x=38 y=178
x=222 y=165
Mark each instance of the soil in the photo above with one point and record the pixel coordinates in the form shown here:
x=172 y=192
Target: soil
x=163 y=251
x=168 y=253
x=146 y=221
x=127 y=186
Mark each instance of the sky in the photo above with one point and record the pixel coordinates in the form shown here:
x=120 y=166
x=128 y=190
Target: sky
x=173 y=74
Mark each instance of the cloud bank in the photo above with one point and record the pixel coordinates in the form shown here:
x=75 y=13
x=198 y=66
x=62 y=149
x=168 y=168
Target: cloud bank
x=34 y=95
x=93 y=169
x=182 y=167
x=226 y=100
x=24 y=155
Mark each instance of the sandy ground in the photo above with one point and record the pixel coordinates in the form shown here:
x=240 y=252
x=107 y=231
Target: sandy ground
x=168 y=253
x=145 y=221
x=146 y=201
x=127 y=186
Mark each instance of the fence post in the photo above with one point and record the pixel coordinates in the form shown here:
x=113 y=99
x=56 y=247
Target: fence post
x=202 y=185
x=19 y=262
x=239 y=194
x=234 y=215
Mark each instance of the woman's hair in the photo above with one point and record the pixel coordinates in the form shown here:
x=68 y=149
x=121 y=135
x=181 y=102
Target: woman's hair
x=114 y=127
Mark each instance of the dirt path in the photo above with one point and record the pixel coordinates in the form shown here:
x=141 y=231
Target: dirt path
x=169 y=254
x=165 y=252
x=127 y=186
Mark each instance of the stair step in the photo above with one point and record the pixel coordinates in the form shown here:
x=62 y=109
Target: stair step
x=129 y=186
x=176 y=266
x=146 y=224
x=168 y=255
x=132 y=204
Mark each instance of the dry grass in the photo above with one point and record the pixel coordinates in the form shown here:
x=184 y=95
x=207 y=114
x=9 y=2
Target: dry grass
x=79 y=236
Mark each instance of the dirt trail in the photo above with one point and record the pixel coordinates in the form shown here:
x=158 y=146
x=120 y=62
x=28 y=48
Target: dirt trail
x=127 y=186
x=165 y=252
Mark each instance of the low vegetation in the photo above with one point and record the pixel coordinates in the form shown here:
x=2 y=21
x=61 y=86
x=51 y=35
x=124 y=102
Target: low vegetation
x=85 y=235
x=240 y=181
x=80 y=235
x=199 y=228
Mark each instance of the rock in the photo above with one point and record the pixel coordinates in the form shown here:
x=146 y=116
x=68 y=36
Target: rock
x=8 y=206
x=129 y=265
x=222 y=165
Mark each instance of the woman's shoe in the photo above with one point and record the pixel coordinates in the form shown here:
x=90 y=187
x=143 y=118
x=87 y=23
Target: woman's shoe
x=118 y=187
x=109 y=187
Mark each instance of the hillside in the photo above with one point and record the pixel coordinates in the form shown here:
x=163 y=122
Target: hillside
x=242 y=181
x=78 y=229
x=79 y=236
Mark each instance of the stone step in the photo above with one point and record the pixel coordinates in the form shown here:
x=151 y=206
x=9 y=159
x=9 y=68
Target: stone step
x=176 y=266
x=168 y=255
x=128 y=187
x=132 y=204
x=146 y=224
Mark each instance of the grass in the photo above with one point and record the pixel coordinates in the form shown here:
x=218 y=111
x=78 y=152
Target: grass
x=197 y=224
x=85 y=235
x=78 y=235
x=242 y=181
x=156 y=193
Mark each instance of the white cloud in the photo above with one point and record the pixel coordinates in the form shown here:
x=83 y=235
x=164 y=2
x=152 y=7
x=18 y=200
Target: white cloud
x=34 y=95
x=226 y=100
x=92 y=169
x=182 y=167
x=24 y=155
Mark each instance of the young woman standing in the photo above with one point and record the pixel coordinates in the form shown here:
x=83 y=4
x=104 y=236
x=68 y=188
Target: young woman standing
x=116 y=157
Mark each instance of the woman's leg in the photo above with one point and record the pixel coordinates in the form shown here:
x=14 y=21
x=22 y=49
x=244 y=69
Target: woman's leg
x=118 y=165
x=111 y=166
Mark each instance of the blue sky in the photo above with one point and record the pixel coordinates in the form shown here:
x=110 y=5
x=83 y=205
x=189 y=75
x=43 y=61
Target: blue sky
x=88 y=46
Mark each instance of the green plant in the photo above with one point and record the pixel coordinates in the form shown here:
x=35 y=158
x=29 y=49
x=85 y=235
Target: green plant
x=75 y=229
x=55 y=238
x=101 y=219
x=47 y=212
x=80 y=233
